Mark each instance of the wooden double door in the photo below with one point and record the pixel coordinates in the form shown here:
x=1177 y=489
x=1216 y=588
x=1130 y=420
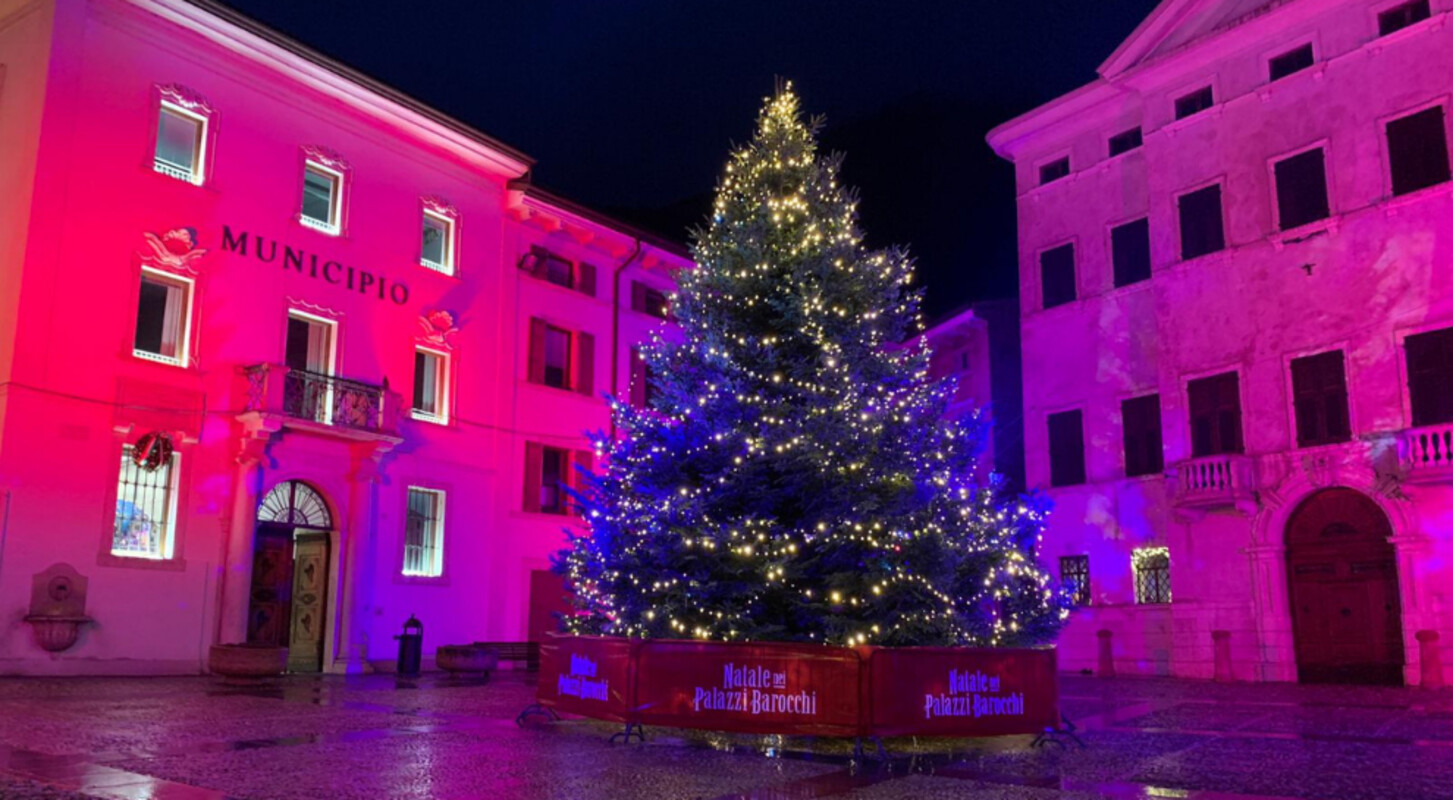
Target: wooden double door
x=288 y=605
x=1342 y=573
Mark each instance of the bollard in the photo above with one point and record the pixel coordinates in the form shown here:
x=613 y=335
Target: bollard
x=1221 y=649
x=411 y=646
x=1430 y=661
x=1107 y=658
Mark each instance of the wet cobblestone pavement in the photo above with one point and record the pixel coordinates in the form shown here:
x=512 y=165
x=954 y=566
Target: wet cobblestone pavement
x=379 y=737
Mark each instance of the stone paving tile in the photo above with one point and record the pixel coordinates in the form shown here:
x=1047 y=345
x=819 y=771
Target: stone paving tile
x=928 y=787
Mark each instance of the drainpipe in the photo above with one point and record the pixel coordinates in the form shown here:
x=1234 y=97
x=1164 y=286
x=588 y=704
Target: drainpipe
x=615 y=327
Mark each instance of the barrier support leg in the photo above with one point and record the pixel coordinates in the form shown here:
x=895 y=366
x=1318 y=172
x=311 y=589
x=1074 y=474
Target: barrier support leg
x=1059 y=734
x=860 y=754
x=535 y=709
x=632 y=729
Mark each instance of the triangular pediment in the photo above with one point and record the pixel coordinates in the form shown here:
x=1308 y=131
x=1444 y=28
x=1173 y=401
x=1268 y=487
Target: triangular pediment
x=1176 y=23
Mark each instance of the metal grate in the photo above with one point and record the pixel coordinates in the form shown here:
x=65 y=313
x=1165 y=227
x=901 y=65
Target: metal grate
x=143 y=509
x=1152 y=575
x=423 y=536
x=1074 y=575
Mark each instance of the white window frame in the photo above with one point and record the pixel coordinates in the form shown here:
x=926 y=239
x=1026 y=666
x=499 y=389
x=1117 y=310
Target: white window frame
x=184 y=340
x=436 y=568
x=197 y=174
x=334 y=225
x=168 y=549
x=441 y=388
x=448 y=265
x=331 y=369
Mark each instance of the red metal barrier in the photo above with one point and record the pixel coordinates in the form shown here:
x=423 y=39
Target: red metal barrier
x=802 y=690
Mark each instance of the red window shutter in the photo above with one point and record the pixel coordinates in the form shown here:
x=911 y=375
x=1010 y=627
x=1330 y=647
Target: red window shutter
x=585 y=363
x=638 y=378
x=585 y=278
x=638 y=296
x=534 y=473
x=580 y=460
x=537 y=351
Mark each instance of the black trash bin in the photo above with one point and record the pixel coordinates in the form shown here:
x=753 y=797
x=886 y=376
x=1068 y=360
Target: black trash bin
x=411 y=646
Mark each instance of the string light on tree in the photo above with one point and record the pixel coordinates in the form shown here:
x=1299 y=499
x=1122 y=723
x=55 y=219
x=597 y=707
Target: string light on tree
x=795 y=479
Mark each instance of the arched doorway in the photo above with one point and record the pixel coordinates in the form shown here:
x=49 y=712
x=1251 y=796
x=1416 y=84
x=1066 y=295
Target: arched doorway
x=1342 y=570
x=288 y=605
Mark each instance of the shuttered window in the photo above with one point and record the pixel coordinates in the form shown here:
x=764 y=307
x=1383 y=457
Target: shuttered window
x=561 y=358
x=1202 y=228
x=1057 y=273
x=1066 y=448
x=1430 y=376
x=1319 y=396
x=1130 y=250
x=1215 y=414
x=1140 y=418
x=1417 y=151
x=549 y=473
x=1301 y=189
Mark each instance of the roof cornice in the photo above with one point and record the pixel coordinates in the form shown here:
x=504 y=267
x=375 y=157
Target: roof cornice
x=255 y=42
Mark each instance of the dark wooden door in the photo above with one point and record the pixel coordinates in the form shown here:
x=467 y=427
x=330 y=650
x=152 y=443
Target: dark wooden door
x=548 y=599
x=270 y=603
x=1342 y=571
x=309 y=601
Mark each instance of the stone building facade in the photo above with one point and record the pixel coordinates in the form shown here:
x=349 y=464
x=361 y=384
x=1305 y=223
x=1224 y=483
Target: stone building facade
x=1238 y=341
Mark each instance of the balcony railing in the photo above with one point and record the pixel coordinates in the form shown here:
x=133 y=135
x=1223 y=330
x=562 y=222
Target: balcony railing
x=1427 y=452
x=321 y=399
x=1218 y=481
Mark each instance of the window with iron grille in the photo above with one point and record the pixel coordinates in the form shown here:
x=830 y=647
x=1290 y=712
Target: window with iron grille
x=424 y=533
x=1319 y=392
x=1074 y=576
x=1152 y=574
x=145 y=508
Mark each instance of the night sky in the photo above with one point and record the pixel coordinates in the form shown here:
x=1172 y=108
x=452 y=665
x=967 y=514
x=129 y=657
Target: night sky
x=630 y=106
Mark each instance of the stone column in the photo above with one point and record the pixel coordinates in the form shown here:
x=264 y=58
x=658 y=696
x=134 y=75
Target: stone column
x=356 y=564
x=1430 y=661
x=1416 y=604
x=236 y=582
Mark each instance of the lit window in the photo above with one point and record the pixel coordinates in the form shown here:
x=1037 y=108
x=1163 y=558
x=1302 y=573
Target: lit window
x=438 y=243
x=1074 y=576
x=431 y=374
x=163 y=318
x=321 y=190
x=424 y=533
x=1405 y=15
x=557 y=357
x=145 y=507
x=648 y=300
x=1152 y=574
x=179 y=141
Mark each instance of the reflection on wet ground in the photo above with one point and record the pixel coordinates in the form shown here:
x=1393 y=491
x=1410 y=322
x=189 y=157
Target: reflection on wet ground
x=322 y=738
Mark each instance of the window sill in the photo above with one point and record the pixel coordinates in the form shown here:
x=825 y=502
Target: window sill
x=1111 y=161
x=165 y=361
x=431 y=419
x=1429 y=25
x=1216 y=257
x=1317 y=71
x=443 y=269
x=1394 y=204
x=560 y=288
x=106 y=558
x=185 y=176
x=421 y=580
x=327 y=228
x=1175 y=127
x=1328 y=226
x=562 y=389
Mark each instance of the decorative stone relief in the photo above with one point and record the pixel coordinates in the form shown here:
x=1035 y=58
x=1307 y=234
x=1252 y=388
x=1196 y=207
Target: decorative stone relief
x=173 y=251
x=57 y=607
x=438 y=329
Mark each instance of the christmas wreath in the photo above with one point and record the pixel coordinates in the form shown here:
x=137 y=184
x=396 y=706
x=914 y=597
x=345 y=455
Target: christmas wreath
x=152 y=451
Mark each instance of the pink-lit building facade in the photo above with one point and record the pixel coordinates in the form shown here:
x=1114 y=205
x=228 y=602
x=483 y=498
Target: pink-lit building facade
x=1237 y=330
x=285 y=356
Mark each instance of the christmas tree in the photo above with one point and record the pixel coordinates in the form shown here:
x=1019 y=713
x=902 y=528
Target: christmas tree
x=794 y=478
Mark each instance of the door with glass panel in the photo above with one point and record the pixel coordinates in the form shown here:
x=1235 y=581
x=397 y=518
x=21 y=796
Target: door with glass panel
x=309 y=359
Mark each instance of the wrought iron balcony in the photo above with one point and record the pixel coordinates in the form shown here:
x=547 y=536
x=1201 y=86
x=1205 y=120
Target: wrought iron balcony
x=1426 y=453
x=1219 y=481
x=321 y=400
